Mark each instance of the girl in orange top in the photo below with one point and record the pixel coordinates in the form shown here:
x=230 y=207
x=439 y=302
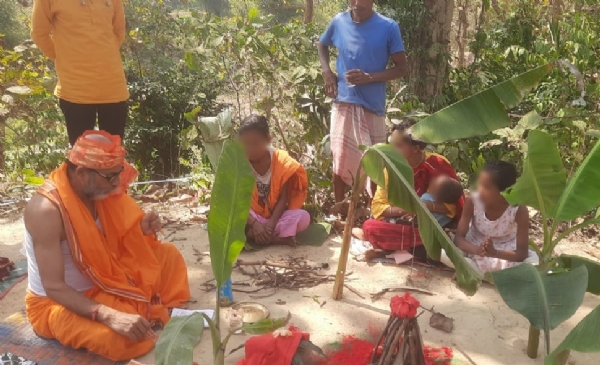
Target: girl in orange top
x=83 y=38
x=281 y=187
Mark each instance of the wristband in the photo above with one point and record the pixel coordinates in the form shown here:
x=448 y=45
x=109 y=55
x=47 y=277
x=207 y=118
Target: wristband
x=95 y=312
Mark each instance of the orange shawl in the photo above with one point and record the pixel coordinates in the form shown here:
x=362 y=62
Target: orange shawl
x=283 y=169
x=122 y=261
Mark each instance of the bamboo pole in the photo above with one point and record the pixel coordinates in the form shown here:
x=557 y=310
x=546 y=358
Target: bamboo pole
x=338 y=287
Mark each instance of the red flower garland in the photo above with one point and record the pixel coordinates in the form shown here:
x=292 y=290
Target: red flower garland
x=404 y=306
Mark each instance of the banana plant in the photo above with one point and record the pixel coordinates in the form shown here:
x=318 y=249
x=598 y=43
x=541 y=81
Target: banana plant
x=230 y=206
x=543 y=186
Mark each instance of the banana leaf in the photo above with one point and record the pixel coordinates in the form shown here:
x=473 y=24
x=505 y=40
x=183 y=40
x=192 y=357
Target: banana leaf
x=545 y=300
x=266 y=325
x=581 y=193
x=481 y=113
x=382 y=158
x=543 y=179
x=215 y=131
x=585 y=337
x=229 y=209
x=176 y=343
x=593 y=268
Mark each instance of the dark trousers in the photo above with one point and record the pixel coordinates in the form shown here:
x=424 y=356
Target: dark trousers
x=82 y=117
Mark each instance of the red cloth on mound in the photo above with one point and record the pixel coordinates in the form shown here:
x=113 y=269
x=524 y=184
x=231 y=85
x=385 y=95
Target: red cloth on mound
x=271 y=350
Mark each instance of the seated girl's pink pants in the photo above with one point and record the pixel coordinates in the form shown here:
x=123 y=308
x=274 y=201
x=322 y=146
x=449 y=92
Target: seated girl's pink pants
x=290 y=223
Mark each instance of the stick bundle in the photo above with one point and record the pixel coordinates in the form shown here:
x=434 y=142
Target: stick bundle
x=399 y=344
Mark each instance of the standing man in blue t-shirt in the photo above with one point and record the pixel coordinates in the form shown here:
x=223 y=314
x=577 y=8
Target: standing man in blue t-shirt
x=365 y=41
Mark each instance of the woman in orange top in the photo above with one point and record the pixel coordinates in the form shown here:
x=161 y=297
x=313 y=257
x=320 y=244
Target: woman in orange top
x=83 y=38
x=281 y=187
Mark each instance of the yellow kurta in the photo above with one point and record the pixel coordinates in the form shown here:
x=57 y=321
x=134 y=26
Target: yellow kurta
x=83 y=38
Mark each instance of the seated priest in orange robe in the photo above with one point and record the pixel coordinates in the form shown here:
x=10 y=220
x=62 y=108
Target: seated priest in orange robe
x=98 y=277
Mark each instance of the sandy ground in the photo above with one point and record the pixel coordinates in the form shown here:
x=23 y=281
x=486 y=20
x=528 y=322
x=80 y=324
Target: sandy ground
x=486 y=330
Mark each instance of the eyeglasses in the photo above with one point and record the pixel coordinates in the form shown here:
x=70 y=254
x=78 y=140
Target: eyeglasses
x=110 y=178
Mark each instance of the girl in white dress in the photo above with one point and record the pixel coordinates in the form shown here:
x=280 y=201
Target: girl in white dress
x=492 y=234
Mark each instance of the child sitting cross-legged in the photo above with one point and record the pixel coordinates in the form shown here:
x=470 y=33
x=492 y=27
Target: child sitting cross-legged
x=281 y=188
x=492 y=234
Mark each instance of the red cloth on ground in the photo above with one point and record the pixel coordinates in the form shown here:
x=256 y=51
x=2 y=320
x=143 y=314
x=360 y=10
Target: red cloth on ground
x=388 y=236
x=271 y=350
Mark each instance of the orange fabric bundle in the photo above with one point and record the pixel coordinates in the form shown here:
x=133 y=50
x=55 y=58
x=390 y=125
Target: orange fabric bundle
x=92 y=153
x=284 y=169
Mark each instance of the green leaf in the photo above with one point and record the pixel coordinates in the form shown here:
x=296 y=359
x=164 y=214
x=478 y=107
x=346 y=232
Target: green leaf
x=34 y=180
x=229 y=209
x=581 y=193
x=481 y=113
x=545 y=300
x=531 y=120
x=176 y=343
x=214 y=131
x=585 y=337
x=543 y=179
x=594 y=133
x=234 y=251
x=266 y=325
x=593 y=268
x=401 y=193
x=19 y=90
x=314 y=235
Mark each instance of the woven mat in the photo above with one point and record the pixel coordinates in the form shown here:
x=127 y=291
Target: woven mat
x=15 y=277
x=17 y=337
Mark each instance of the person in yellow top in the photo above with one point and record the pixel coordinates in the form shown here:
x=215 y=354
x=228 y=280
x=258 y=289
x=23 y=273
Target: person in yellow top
x=83 y=39
x=390 y=230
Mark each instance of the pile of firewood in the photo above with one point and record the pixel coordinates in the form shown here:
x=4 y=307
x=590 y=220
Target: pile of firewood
x=293 y=273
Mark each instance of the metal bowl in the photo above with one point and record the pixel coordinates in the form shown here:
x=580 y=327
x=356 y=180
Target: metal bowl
x=251 y=312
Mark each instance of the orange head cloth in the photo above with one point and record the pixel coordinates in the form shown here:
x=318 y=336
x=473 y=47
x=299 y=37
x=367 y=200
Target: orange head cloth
x=99 y=150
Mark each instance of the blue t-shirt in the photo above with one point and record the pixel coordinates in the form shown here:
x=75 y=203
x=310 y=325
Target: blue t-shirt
x=366 y=46
x=442 y=219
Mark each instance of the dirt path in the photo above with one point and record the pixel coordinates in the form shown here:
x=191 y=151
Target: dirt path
x=485 y=329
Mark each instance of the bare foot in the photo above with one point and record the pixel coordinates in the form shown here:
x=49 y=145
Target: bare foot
x=358 y=233
x=371 y=255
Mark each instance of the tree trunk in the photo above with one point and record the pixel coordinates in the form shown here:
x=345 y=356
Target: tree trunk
x=309 y=10
x=429 y=62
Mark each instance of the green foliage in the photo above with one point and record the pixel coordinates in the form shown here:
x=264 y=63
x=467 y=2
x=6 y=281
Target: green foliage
x=401 y=193
x=12 y=26
x=585 y=337
x=521 y=36
x=484 y=111
x=270 y=68
x=178 y=339
x=571 y=262
x=543 y=179
x=162 y=90
x=34 y=138
x=543 y=185
x=546 y=300
x=230 y=206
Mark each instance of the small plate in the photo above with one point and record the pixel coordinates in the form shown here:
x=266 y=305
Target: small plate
x=251 y=312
